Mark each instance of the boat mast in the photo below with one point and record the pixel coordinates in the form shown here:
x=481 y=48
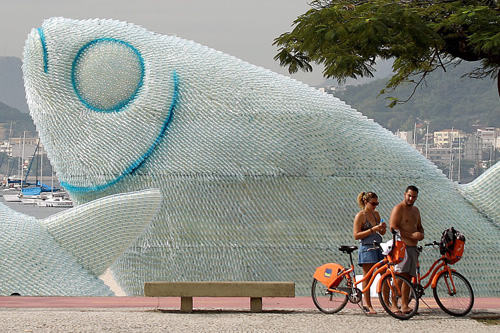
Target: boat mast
x=426 y=139
x=52 y=180
x=22 y=160
x=41 y=166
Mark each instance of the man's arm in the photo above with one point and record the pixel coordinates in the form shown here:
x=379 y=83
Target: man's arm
x=419 y=234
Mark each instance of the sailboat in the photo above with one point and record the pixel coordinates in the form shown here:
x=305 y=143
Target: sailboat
x=13 y=192
x=58 y=200
x=51 y=196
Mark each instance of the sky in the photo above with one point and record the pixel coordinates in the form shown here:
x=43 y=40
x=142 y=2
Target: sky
x=244 y=29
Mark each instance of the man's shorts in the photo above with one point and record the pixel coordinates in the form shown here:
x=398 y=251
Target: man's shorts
x=409 y=264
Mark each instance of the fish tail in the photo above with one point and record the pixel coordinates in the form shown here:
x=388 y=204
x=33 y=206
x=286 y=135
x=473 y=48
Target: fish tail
x=484 y=193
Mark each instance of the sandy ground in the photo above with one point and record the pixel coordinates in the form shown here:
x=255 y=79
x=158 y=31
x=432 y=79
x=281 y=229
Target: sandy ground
x=153 y=320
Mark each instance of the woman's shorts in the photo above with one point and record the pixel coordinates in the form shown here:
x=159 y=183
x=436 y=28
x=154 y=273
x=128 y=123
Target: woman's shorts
x=367 y=254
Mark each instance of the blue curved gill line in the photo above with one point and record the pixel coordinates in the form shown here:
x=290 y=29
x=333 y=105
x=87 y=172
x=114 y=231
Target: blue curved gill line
x=122 y=104
x=44 y=48
x=140 y=161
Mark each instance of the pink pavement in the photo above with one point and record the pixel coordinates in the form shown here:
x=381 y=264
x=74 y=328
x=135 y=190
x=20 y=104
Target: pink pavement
x=227 y=303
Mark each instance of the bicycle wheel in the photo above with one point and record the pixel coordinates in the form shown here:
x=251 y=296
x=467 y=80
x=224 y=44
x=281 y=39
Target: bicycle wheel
x=327 y=301
x=391 y=297
x=456 y=303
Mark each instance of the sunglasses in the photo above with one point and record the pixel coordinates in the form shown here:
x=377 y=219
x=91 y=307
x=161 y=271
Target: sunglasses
x=374 y=203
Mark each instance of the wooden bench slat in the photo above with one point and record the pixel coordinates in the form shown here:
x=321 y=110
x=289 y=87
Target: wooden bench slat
x=220 y=289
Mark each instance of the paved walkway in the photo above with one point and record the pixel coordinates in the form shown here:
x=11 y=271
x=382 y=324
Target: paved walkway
x=150 y=314
x=487 y=303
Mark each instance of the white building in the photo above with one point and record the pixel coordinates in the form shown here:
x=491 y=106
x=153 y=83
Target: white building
x=406 y=136
x=445 y=137
x=490 y=137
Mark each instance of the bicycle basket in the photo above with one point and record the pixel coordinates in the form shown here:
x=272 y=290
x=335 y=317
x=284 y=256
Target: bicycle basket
x=452 y=245
x=327 y=274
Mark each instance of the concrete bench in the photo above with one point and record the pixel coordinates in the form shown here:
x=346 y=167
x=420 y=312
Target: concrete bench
x=187 y=290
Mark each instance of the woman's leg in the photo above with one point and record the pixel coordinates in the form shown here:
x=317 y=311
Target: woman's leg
x=366 y=294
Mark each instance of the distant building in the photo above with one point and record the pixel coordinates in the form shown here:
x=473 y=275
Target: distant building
x=444 y=138
x=473 y=148
x=444 y=156
x=490 y=137
x=332 y=89
x=406 y=136
x=6 y=147
x=29 y=143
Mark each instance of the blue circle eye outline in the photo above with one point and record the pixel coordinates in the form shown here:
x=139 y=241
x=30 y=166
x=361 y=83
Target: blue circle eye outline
x=122 y=104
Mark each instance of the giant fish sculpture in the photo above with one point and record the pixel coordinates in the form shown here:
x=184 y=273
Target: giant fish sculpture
x=259 y=172
x=65 y=253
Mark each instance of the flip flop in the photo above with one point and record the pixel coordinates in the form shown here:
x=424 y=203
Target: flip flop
x=368 y=311
x=397 y=312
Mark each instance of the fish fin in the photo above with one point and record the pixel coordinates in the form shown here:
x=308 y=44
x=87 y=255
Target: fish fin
x=98 y=232
x=484 y=191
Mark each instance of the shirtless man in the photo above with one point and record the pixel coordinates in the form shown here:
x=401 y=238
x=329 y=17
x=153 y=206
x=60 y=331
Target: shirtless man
x=405 y=217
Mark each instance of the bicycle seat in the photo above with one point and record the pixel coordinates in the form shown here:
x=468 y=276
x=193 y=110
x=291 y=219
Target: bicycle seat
x=348 y=248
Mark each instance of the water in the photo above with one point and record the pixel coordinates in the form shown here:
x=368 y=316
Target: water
x=33 y=210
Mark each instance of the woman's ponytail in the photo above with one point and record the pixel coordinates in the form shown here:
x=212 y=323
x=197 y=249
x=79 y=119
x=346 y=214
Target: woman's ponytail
x=360 y=200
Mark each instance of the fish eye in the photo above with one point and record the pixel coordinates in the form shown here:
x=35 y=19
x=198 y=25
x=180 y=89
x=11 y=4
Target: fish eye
x=107 y=74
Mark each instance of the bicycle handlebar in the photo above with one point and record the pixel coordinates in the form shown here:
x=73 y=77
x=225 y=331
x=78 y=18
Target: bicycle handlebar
x=434 y=243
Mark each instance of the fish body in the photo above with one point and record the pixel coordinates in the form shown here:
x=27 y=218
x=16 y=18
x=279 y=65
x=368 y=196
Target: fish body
x=258 y=172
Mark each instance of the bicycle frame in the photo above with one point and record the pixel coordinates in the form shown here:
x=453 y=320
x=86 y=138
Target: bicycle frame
x=383 y=267
x=350 y=275
x=436 y=273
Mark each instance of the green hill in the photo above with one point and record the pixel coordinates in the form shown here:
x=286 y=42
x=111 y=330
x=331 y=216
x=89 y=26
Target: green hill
x=446 y=100
x=20 y=121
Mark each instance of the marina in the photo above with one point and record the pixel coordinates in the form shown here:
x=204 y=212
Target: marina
x=23 y=190
x=39 y=205
x=34 y=210
x=40 y=195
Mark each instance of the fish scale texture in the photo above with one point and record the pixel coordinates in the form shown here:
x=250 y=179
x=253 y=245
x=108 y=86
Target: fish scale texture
x=33 y=263
x=64 y=254
x=259 y=173
x=483 y=192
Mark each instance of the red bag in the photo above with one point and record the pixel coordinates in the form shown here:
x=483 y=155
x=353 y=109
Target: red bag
x=452 y=245
x=455 y=254
x=398 y=252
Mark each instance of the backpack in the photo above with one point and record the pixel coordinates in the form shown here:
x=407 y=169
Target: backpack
x=452 y=245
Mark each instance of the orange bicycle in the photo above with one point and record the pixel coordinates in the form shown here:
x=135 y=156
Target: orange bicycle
x=452 y=292
x=333 y=285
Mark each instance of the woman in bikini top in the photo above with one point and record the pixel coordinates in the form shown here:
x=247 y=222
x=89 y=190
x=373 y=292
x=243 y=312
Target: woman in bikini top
x=367 y=228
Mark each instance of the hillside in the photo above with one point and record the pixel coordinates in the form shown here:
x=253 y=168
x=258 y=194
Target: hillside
x=20 y=121
x=446 y=100
x=11 y=83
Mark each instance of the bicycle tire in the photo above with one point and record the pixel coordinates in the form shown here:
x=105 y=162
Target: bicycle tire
x=463 y=298
x=326 y=301
x=387 y=304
